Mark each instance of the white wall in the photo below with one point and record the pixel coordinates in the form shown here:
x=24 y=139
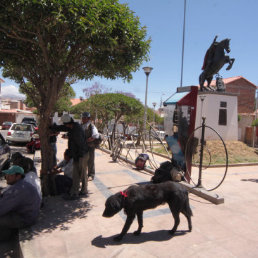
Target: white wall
x=20 y=116
x=210 y=110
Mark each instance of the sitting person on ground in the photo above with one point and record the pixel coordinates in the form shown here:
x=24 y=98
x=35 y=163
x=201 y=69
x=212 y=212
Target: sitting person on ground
x=29 y=171
x=64 y=182
x=17 y=158
x=19 y=204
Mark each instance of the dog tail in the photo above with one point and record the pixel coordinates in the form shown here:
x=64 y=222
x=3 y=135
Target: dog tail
x=187 y=206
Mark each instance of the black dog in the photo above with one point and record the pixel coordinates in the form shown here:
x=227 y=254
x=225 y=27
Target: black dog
x=138 y=198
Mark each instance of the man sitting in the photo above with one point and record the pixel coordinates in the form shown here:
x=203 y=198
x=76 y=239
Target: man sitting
x=64 y=182
x=19 y=204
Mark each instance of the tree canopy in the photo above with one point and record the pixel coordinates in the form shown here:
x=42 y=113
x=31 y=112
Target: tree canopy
x=46 y=42
x=109 y=106
x=63 y=103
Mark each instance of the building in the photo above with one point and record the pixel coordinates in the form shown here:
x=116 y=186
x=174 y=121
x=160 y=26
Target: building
x=244 y=89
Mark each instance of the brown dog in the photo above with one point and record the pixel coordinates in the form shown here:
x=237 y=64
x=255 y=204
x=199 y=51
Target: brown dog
x=136 y=199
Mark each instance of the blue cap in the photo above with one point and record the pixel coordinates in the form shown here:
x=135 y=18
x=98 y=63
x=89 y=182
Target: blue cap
x=14 y=170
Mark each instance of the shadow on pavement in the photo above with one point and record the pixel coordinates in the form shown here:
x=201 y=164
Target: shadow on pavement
x=19 y=148
x=130 y=238
x=56 y=214
x=250 y=180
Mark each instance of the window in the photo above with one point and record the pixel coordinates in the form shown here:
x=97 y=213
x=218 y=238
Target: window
x=223 y=113
x=223 y=104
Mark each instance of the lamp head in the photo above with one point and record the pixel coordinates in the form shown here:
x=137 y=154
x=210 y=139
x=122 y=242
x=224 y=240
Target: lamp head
x=147 y=70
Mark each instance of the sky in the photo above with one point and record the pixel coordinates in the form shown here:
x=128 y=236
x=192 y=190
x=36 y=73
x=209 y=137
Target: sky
x=233 y=19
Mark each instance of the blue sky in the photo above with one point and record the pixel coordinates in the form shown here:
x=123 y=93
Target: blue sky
x=234 y=19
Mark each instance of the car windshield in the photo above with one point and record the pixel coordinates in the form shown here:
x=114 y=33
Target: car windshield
x=7 y=123
x=21 y=127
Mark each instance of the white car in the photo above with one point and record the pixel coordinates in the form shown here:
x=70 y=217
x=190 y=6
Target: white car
x=21 y=133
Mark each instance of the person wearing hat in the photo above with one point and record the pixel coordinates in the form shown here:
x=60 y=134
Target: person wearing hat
x=79 y=153
x=19 y=203
x=91 y=133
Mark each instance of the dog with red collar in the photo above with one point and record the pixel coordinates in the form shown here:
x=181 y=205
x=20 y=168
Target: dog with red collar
x=137 y=198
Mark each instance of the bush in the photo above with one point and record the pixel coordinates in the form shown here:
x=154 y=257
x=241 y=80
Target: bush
x=255 y=122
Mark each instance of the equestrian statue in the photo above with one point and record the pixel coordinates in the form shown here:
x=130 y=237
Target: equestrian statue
x=214 y=60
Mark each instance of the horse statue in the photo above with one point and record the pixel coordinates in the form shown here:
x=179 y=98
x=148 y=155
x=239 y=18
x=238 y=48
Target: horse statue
x=214 y=60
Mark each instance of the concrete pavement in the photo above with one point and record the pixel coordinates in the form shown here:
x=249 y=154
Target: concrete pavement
x=77 y=228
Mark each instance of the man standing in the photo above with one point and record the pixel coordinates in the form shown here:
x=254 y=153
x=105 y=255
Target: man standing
x=91 y=133
x=79 y=151
x=19 y=203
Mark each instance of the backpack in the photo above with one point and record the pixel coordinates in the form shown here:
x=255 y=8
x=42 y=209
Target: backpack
x=96 y=142
x=141 y=160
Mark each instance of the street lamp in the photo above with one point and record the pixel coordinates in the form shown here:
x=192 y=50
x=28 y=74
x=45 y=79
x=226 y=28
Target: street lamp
x=154 y=105
x=147 y=71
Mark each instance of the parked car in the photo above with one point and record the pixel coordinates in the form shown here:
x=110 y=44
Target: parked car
x=5 y=154
x=6 y=125
x=20 y=133
x=28 y=120
x=31 y=121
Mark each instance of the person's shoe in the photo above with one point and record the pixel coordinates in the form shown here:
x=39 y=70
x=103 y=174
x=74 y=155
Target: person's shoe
x=69 y=197
x=90 y=178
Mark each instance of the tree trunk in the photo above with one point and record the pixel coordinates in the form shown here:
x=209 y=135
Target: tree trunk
x=47 y=154
x=47 y=157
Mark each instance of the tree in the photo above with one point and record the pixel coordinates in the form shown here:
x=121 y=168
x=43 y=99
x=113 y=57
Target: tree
x=110 y=106
x=45 y=42
x=63 y=103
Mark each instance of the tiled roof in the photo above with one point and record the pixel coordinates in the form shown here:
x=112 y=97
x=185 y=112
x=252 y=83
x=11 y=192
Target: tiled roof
x=15 y=111
x=76 y=101
x=230 y=80
x=1 y=80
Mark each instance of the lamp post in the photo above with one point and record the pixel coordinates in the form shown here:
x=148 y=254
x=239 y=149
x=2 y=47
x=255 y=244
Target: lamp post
x=154 y=105
x=147 y=71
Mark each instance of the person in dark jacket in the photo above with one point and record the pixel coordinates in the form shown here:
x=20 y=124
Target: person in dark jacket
x=19 y=203
x=79 y=153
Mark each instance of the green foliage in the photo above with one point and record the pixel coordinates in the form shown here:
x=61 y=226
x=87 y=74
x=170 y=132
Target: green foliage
x=255 y=122
x=46 y=42
x=110 y=106
x=63 y=103
x=150 y=117
x=70 y=38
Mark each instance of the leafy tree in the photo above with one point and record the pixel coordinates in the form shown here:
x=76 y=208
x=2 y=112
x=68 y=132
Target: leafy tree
x=45 y=42
x=110 y=106
x=63 y=103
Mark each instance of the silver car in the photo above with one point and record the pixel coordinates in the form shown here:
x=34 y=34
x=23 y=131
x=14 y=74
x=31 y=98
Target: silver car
x=20 y=133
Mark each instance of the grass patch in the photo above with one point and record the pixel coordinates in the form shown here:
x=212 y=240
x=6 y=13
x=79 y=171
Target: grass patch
x=214 y=153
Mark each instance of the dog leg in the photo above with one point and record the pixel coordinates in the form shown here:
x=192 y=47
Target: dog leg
x=188 y=213
x=189 y=220
x=175 y=213
x=127 y=225
x=140 y=223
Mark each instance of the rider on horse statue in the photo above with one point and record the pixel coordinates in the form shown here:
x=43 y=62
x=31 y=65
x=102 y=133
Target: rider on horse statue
x=210 y=53
x=214 y=60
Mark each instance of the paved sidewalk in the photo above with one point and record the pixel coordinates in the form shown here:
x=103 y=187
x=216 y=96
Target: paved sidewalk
x=77 y=229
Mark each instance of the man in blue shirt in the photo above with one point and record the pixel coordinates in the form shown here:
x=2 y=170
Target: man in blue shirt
x=19 y=203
